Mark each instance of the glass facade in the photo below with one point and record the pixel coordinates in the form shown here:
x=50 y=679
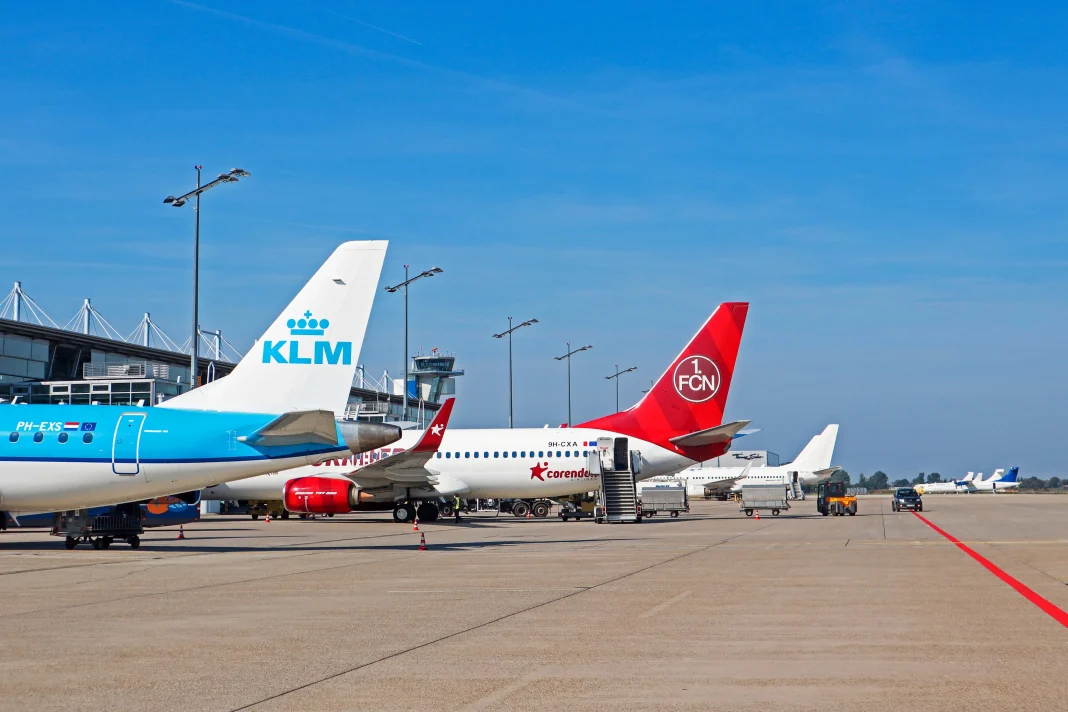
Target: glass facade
x=22 y=358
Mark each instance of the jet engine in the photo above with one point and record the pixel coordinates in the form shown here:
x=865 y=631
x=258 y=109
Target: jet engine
x=320 y=495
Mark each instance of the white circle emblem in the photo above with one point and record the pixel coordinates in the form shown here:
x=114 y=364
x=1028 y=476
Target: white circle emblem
x=696 y=378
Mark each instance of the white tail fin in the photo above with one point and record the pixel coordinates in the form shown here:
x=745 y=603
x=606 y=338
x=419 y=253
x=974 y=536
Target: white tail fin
x=819 y=451
x=307 y=358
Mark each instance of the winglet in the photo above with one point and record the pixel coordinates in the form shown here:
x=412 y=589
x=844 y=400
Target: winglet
x=433 y=435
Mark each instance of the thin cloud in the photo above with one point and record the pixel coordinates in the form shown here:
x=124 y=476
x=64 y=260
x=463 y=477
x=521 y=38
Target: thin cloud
x=357 y=50
x=375 y=27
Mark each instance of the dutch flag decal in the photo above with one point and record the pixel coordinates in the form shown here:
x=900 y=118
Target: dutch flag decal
x=71 y=425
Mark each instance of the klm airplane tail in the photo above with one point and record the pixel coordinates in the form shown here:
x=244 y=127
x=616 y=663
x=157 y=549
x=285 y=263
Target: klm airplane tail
x=306 y=360
x=819 y=451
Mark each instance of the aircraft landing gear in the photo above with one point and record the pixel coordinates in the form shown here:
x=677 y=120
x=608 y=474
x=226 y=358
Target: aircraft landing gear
x=428 y=512
x=404 y=512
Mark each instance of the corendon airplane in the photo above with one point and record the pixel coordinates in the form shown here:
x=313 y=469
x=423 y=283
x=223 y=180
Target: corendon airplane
x=677 y=423
x=274 y=412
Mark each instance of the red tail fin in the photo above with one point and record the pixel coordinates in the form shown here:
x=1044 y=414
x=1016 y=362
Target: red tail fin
x=692 y=393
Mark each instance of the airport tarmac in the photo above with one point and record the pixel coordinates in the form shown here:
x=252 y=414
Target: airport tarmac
x=709 y=611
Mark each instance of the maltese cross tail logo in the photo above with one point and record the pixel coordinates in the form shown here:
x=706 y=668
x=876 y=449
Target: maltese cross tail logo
x=436 y=429
x=537 y=471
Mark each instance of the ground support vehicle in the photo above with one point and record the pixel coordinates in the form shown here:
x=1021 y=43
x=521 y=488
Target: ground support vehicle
x=906 y=498
x=664 y=499
x=538 y=508
x=571 y=511
x=100 y=530
x=831 y=498
x=757 y=497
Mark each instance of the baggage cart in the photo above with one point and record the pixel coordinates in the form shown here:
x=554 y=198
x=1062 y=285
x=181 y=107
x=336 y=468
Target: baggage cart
x=770 y=497
x=664 y=499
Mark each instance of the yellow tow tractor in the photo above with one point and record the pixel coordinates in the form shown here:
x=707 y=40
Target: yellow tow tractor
x=831 y=498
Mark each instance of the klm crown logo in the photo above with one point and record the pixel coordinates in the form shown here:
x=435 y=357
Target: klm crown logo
x=323 y=351
x=308 y=326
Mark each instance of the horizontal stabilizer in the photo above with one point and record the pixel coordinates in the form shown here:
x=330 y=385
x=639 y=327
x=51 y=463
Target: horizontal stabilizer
x=826 y=472
x=719 y=434
x=297 y=428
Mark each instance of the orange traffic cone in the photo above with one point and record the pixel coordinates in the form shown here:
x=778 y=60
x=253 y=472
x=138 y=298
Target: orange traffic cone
x=415 y=524
x=268 y=519
x=422 y=542
x=181 y=532
x=756 y=515
x=529 y=515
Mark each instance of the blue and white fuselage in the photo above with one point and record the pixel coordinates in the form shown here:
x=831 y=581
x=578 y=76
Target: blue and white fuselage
x=270 y=414
x=70 y=457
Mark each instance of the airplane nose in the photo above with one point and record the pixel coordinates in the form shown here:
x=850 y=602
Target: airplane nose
x=362 y=437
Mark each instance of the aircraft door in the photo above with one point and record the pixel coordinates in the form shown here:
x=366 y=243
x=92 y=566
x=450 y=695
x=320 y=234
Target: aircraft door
x=126 y=444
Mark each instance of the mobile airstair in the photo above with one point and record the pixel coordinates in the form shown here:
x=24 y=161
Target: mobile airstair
x=617 y=465
x=794 y=487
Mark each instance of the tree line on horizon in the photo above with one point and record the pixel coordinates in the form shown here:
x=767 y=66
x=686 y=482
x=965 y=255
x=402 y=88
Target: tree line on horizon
x=881 y=481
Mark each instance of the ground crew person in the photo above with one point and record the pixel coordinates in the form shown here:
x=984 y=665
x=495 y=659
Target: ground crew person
x=456 y=506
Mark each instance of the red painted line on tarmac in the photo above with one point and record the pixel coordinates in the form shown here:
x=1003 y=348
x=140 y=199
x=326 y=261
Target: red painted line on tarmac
x=1048 y=608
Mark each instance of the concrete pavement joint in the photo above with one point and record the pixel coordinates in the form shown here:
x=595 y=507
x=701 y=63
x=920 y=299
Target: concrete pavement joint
x=486 y=624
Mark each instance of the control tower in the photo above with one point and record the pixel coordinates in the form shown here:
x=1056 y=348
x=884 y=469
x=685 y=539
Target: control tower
x=432 y=377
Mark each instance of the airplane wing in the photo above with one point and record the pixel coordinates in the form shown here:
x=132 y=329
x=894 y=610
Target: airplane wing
x=296 y=428
x=725 y=485
x=709 y=436
x=408 y=467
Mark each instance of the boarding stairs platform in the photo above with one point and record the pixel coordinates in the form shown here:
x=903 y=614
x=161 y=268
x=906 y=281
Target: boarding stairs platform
x=793 y=489
x=617 y=465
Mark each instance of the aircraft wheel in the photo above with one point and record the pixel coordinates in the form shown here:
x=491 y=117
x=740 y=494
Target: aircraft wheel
x=428 y=512
x=70 y=542
x=403 y=513
x=445 y=510
x=540 y=510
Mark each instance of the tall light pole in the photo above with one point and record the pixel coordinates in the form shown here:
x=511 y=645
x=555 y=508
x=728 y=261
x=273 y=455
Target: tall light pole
x=395 y=288
x=616 y=376
x=231 y=177
x=568 y=356
x=501 y=335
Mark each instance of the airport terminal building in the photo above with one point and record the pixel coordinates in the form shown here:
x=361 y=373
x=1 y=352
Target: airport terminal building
x=43 y=364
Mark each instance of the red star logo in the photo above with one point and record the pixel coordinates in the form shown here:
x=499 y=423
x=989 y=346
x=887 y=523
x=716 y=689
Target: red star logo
x=538 y=470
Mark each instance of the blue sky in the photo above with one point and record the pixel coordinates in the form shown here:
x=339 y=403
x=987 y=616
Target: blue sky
x=885 y=182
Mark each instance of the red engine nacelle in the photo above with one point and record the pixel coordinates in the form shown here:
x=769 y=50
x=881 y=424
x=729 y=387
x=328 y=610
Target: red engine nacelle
x=320 y=495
